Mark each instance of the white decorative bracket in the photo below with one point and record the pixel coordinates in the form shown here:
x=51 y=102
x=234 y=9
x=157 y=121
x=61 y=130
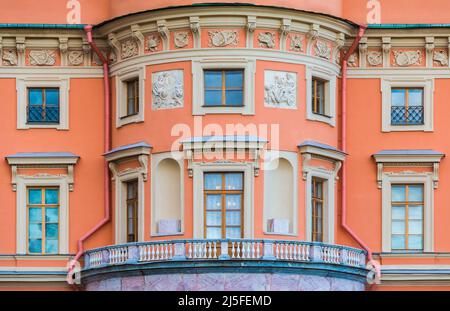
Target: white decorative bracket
x=284 y=32
x=363 y=46
x=137 y=34
x=387 y=51
x=164 y=33
x=306 y=158
x=87 y=52
x=251 y=26
x=312 y=35
x=194 y=23
x=143 y=160
x=63 y=48
x=20 y=46
x=338 y=45
x=435 y=175
x=114 y=44
x=429 y=48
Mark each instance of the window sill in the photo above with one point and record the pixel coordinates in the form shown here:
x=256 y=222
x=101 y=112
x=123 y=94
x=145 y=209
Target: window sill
x=322 y=115
x=280 y=234
x=156 y=235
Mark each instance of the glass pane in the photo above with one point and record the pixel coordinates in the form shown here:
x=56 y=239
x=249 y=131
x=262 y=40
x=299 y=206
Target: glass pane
x=398 y=212
x=35 y=246
x=415 y=193
x=131 y=190
x=319 y=209
x=213 y=79
x=35 y=214
x=233 y=233
x=398 y=242
x=130 y=108
x=398 y=227
x=51 y=196
x=52 y=114
x=51 y=215
x=52 y=97
x=318 y=190
x=35 y=231
x=319 y=224
x=415 y=212
x=398 y=193
x=415 y=227
x=51 y=246
x=233 y=201
x=233 y=181
x=233 y=219
x=214 y=218
x=213 y=233
x=51 y=231
x=415 y=97
x=415 y=242
x=130 y=226
x=35 y=114
x=213 y=202
x=213 y=98
x=234 y=98
x=234 y=79
x=35 y=96
x=34 y=196
x=213 y=181
x=398 y=97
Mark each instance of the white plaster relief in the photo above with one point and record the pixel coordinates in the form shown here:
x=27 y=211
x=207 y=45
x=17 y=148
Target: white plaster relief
x=181 y=39
x=76 y=58
x=375 y=58
x=9 y=57
x=222 y=38
x=297 y=43
x=129 y=49
x=153 y=43
x=167 y=89
x=42 y=57
x=407 y=58
x=441 y=57
x=322 y=50
x=280 y=89
x=266 y=39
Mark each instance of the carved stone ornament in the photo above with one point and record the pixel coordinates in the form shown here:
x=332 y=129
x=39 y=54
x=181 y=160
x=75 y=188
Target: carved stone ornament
x=266 y=39
x=280 y=89
x=167 y=89
x=181 y=39
x=441 y=57
x=153 y=43
x=9 y=57
x=42 y=57
x=353 y=60
x=297 y=43
x=222 y=38
x=407 y=58
x=76 y=58
x=322 y=50
x=374 y=58
x=129 y=49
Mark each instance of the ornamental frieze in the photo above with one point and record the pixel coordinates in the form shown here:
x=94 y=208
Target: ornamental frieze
x=408 y=58
x=296 y=44
x=440 y=58
x=129 y=48
x=76 y=58
x=42 y=57
x=181 y=39
x=167 y=89
x=9 y=57
x=153 y=42
x=322 y=50
x=375 y=58
x=266 y=39
x=223 y=38
x=280 y=89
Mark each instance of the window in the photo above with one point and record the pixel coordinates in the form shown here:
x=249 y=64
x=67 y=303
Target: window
x=407 y=106
x=317 y=204
x=407 y=217
x=43 y=105
x=132 y=97
x=43 y=220
x=223 y=197
x=224 y=88
x=318 y=96
x=132 y=211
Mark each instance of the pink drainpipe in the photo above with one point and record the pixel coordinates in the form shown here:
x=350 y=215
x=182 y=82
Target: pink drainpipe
x=352 y=49
x=107 y=147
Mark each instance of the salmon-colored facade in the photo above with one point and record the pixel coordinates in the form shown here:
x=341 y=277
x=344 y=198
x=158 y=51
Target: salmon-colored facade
x=325 y=140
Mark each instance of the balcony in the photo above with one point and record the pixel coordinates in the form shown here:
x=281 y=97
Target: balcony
x=224 y=265
x=412 y=115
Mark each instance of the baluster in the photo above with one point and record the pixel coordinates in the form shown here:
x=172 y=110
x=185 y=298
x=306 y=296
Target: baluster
x=258 y=254
x=215 y=250
x=238 y=250
x=253 y=250
x=232 y=250
x=190 y=251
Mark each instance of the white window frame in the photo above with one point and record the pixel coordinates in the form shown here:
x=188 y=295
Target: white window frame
x=121 y=99
x=328 y=206
x=198 y=174
x=156 y=159
x=292 y=158
x=22 y=85
x=388 y=179
x=330 y=95
x=198 y=68
x=23 y=182
x=407 y=82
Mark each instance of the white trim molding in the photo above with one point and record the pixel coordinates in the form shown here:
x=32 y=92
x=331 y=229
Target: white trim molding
x=199 y=168
x=311 y=149
x=388 y=179
x=198 y=67
x=121 y=95
x=25 y=82
x=428 y=102
x=330 y=94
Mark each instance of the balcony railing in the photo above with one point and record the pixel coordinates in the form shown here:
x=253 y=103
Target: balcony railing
x=412 y=115
x=196 y=250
